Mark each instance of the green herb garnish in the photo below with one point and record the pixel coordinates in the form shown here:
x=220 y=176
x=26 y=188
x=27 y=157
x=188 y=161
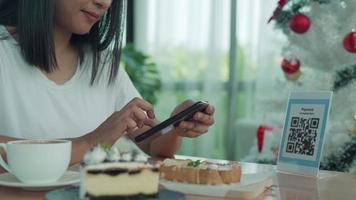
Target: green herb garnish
x=194 y=163
x=105 y=147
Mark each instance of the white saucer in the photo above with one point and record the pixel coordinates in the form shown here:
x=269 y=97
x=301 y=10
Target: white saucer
x=68 y=178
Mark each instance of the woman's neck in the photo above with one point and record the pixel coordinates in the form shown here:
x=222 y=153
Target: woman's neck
x=66 y=57
x=61 y=40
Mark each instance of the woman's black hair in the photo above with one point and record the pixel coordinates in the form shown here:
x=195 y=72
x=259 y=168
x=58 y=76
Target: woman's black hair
x=34 y=22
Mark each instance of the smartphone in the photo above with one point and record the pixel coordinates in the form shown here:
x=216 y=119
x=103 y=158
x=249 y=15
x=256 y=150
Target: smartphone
x=184 y=115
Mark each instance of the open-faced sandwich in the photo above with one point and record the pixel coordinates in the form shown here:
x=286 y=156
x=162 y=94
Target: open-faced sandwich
x=200 y=172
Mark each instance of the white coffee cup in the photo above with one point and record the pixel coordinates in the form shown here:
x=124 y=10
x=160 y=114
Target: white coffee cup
x=37 y=161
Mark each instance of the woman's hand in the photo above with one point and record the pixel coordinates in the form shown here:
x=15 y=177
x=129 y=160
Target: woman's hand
x=198 y=125
x=168 y=144
x=133 y=115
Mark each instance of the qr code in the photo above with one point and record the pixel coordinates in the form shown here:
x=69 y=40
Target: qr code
x=302 y=136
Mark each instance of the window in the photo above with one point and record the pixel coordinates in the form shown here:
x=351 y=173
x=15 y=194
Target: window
x=190 y=42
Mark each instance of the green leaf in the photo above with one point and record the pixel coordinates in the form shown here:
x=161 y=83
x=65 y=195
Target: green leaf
x=143 y=72
x=194 y=163
x=105 y=147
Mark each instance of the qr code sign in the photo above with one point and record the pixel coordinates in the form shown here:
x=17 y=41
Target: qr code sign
x=302 y=136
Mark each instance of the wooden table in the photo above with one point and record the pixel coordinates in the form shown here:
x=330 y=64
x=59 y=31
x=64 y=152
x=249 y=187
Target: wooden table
x=330 y=185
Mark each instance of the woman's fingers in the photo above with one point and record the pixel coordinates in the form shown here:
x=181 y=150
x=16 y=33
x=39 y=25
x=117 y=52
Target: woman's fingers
x=133 y=115
x=188 y=133
x=204 y=118
x=210 y=110
x=141 y=111
x=139 y=116
x=194 y=127
x=150 y=122
x=199 y=125
x=144 y=105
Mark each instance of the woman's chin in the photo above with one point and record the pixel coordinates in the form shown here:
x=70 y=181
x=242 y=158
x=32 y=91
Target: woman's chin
x=82 y=30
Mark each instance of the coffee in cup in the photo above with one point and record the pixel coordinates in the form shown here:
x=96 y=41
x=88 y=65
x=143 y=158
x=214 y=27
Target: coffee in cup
x=37 y=161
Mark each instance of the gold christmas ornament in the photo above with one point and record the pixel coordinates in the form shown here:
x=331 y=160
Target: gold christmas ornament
x=293 y=77
x=353 y=129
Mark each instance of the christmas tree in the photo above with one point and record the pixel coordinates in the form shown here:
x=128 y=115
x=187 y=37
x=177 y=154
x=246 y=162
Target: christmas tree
x=321 y=55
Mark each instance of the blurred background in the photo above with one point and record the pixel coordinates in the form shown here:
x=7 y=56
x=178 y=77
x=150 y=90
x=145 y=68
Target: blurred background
x=244 y=57
x=221 y=51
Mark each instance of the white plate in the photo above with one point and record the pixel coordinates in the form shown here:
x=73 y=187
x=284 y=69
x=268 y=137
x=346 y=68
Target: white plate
x=250 y=186
x=68 y=178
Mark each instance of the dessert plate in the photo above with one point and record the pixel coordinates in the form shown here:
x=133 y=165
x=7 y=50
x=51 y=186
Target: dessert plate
x=250 y=186
x=68 y=178
x=72 y=193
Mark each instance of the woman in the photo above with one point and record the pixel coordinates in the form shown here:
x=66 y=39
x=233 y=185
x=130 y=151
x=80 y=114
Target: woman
x=59 y=78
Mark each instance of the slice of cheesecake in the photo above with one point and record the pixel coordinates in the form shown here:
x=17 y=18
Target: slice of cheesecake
x=119 y=179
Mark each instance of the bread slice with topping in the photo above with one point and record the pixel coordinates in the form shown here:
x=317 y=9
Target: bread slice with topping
x=200 y=172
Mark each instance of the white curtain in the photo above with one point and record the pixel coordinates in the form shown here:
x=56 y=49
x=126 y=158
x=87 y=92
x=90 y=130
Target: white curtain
x=259 y=66
x=270 y=79
x=260 y=45
x=189 y=40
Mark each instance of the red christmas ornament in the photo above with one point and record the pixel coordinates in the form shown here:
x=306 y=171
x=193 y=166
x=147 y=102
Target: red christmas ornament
x=261 y=134
x=350 y=42
x=290 y=66
x=282 y=3
x=260 y=138
x=300 y=23
x=291 y=69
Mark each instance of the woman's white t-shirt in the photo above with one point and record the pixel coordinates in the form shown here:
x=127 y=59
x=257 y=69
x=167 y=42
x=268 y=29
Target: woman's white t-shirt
x=32 y=106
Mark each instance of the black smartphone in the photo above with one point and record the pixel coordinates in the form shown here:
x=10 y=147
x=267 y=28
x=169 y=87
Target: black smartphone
x=184 y=115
